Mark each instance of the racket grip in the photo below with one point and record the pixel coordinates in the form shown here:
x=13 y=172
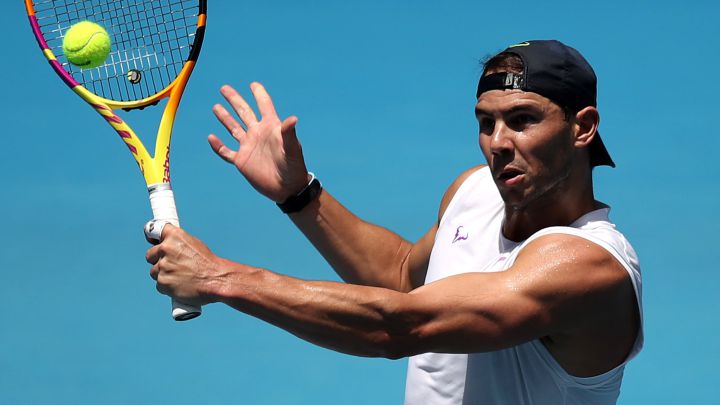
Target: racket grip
x=162 y=201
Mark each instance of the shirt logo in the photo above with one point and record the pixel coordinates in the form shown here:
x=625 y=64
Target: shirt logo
x=460 y=234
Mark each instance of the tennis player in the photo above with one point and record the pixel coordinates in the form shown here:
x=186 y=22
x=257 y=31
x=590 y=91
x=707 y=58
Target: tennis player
x=522 y=291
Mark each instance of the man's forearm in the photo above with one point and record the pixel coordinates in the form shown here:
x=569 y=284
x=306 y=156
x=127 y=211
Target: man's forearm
x=357 y=320
x=360 y=252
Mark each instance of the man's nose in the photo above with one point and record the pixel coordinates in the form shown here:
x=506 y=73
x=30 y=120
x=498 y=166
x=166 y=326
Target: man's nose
x=501 y=139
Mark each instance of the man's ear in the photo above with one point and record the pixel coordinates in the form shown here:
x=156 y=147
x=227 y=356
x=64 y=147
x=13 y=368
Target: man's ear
x=586 y=125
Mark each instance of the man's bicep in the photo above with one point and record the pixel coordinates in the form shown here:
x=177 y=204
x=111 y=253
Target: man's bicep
x=557 y=284
x=579 y=282
x=416 y=266
x=473 y=312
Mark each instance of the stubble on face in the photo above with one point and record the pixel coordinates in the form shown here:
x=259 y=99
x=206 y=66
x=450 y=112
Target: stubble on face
x=542 y=151
x=549 y=166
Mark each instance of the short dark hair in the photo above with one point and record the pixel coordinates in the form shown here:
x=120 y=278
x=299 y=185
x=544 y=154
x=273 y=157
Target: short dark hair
x=508 y=62
x=504 y=62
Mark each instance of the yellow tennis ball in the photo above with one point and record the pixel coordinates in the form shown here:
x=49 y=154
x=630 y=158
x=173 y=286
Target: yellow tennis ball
x=86 y=45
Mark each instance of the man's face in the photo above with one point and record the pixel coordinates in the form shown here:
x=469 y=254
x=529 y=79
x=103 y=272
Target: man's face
x=527 y=143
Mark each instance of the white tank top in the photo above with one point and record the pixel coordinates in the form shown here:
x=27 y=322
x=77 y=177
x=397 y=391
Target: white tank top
x=469 y=239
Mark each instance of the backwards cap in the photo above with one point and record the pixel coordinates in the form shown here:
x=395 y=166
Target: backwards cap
x=558 y=72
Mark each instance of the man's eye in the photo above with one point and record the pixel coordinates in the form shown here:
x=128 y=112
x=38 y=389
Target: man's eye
x=486 y=125
x=521 y=120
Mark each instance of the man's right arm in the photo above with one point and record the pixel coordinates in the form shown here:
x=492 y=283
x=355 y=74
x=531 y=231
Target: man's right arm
x=367 y=254
x=270 y=158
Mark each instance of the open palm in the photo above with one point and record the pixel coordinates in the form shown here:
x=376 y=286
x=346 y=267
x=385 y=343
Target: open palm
x=269 y=154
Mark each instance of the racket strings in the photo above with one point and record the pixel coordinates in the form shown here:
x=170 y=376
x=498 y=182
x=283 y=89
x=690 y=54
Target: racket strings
x=151 y=41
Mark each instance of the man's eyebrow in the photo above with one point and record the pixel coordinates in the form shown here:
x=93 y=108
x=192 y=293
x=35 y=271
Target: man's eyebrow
x=515 y=109
x=480 y=111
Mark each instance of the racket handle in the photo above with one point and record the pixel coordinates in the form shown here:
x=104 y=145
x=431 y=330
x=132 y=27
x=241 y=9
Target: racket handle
x=164 y=211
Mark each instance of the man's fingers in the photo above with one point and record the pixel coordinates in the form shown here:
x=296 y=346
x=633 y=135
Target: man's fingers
x=220 y=149
x=154 y=271
x=288 y=126
x=225 y=118
x=168 y=230
x=161 y=289
x=153 y=254
x=263 y=100
x=288 y=130
x=241 y=107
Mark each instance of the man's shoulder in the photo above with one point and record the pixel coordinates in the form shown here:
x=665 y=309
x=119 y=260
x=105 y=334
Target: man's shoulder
x=591 y=294
x=595 y=245
x=564 y=244
x=587 y=270
x=595 y=228
x=478 y=170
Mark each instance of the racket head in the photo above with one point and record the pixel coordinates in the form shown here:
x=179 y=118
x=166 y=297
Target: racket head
x=154 y=44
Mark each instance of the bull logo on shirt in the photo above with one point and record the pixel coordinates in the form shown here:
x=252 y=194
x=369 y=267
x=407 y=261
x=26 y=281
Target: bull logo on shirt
x=460 y=234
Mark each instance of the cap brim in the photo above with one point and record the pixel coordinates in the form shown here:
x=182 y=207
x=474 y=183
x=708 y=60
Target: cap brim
x=599 y=155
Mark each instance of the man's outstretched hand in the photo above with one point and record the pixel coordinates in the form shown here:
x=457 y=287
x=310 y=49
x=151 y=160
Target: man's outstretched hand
x=269 y=154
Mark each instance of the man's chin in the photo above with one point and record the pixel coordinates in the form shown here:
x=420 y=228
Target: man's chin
x=514 y=197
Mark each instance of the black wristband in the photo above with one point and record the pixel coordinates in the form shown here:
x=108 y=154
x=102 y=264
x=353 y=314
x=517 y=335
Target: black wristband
x=303 y=198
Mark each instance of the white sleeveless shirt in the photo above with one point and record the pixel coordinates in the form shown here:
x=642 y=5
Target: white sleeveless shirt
x=469 y=239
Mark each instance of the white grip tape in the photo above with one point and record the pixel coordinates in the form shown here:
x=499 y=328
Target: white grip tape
x=162 y=201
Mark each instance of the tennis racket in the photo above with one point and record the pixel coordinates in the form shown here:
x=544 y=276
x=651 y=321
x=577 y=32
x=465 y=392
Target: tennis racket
x=155 y=45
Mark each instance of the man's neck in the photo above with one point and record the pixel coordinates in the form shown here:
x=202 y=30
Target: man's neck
x=521 y=223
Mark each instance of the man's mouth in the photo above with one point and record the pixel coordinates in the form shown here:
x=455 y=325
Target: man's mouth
x=510 y=176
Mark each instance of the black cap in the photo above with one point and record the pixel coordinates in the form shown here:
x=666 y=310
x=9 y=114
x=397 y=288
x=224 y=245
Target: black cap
x=558 y=72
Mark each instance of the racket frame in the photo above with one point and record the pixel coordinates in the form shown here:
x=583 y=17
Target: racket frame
x=155 y=168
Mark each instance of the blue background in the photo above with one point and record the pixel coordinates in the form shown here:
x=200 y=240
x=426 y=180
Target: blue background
x=384 y=91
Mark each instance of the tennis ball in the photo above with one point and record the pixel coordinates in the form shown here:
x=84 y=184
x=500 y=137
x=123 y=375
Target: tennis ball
x=86 y=45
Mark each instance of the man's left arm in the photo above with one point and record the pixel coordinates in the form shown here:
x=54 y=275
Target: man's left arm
x=559 y=284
